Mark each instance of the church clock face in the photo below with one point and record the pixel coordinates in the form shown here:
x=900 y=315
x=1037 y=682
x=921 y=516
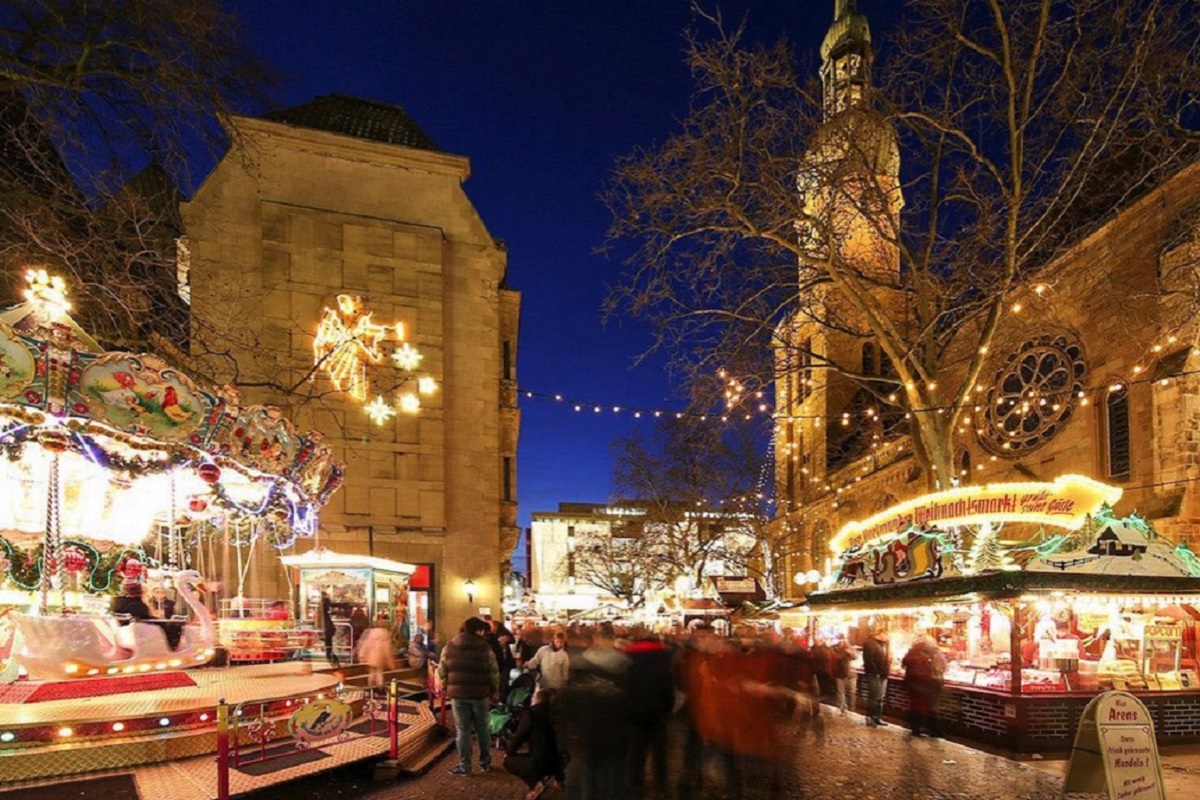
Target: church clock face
x=1032 y=396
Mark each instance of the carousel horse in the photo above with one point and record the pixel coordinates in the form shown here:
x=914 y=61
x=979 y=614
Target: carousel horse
x=89 y=645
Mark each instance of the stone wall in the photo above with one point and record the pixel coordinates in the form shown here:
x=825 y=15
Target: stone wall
x=290 y=219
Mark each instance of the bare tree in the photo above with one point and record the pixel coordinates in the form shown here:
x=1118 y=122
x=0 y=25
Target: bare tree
x=694 y=481
x=1010 y=129
x=623 y=562
x=106 y=107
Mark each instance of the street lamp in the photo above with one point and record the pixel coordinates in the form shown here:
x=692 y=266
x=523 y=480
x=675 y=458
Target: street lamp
x=469 y=588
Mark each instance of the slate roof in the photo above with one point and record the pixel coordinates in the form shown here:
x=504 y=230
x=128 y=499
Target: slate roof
x=362 y=119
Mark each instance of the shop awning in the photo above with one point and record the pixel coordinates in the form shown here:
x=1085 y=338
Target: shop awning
x=997 y=586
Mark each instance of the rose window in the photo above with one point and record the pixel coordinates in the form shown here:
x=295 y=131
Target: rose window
x=1033 y=395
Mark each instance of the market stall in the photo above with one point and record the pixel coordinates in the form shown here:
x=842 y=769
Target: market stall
x=360 y=590
x=1038 y=597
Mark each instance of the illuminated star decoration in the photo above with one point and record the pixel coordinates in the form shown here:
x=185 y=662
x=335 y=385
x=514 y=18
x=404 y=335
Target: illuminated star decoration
x=410 y=403
x=48 y=292
x=379 y=411
x=407 y=357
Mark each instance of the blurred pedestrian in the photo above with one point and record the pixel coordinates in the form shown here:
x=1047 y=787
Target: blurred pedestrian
x=651 y=699
x=328 y=630
x=470 y=679
x=924 y=668
x=845 y=679
x=877 y=663
x=375 y=650
x=597 y=720
x=541 y=767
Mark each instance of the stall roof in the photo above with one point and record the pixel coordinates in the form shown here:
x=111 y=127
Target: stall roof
x=328 y=558
x=997 y=585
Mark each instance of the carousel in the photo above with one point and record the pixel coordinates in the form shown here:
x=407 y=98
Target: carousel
x=117 y=469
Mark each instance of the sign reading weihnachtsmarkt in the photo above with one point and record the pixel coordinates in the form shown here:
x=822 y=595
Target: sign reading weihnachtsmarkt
x=1063 y=502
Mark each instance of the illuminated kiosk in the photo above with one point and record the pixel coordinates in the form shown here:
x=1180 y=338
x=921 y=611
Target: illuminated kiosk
x=1039 y=597
x=376 y=586
x=116 y=465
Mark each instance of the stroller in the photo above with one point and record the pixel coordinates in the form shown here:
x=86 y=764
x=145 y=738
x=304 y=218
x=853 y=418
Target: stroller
x=503 y=719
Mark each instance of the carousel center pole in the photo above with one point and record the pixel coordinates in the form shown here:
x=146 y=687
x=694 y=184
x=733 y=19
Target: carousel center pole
x=52 y=566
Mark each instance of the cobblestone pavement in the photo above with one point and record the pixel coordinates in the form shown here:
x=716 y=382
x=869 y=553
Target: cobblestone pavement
x=850 y=762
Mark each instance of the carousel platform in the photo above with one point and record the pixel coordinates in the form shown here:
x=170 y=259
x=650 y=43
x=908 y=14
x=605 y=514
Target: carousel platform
x=161 y=741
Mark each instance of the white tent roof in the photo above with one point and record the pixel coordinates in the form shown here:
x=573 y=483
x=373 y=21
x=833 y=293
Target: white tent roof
x=328 y=558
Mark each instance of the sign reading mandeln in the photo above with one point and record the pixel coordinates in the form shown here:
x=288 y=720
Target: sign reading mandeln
x=1115 y=752
x=1063 y=502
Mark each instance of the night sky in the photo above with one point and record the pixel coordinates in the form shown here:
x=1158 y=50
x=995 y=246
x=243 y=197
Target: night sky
x=541 y=95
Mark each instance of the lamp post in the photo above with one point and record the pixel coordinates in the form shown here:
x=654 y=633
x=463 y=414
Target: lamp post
x=469 y=588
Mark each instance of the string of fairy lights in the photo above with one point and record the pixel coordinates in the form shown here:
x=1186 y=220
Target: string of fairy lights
x=745 y=405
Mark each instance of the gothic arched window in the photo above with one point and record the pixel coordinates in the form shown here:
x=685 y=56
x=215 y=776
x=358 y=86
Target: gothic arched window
x=868 y=359
x=1117 y=451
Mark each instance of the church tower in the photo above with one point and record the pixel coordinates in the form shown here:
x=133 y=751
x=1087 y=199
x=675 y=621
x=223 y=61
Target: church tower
x=851 y=201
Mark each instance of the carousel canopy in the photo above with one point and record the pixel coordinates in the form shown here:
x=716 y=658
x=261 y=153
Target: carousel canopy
x=120 y=441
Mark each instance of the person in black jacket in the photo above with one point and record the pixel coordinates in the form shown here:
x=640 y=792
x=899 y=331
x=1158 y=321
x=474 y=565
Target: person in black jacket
x=542 y=767
x=470 y=678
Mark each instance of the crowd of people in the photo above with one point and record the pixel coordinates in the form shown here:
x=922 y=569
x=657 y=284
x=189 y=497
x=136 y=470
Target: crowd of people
x=613 y=707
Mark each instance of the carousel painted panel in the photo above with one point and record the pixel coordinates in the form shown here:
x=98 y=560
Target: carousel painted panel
x=140 y=394
x=263 y=439
x=18 y=364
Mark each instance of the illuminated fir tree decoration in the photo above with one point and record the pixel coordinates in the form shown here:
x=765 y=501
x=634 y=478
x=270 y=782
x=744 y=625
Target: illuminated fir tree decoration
x=346 y=342
x=48 y=293
x=379 y=411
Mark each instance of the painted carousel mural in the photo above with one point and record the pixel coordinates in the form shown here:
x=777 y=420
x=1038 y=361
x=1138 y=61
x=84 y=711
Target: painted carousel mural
x=114 y=467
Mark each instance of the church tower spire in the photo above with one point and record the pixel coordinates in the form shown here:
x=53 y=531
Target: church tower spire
x=846 y=59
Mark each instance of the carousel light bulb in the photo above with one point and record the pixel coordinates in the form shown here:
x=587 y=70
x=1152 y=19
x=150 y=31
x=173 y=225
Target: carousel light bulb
x=65 y=733
x=7 y=736
x=48 y=293
x=379 y=410
x=406 y=357
x=427 y=385
x=118 y=726
x=410 y=403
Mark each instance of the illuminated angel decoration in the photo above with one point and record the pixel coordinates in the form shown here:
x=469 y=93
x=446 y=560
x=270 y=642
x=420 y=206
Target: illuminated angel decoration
x=345 y=343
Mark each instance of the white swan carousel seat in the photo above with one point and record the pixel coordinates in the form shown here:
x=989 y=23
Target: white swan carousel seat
x=89 y=645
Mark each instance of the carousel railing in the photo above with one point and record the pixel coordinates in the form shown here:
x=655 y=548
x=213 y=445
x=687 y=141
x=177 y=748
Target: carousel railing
x=258 y=731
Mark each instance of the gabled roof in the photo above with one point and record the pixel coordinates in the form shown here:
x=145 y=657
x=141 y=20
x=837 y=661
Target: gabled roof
x=362 y=119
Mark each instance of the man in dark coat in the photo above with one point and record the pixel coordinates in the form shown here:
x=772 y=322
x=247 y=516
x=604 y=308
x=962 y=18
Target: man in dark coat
x=470 y=678
x=130 y=603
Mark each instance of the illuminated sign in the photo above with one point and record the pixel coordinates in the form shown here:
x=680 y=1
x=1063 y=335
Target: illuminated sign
x=1063 y=502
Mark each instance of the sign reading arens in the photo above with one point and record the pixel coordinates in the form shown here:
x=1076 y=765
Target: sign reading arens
x=1063 y=502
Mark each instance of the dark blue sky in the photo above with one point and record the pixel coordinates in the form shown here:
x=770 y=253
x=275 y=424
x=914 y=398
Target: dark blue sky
x=541 y=95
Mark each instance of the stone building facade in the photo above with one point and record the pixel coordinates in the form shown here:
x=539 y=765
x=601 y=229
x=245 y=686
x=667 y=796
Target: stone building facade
x=343 y=196
x=1112 y=317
